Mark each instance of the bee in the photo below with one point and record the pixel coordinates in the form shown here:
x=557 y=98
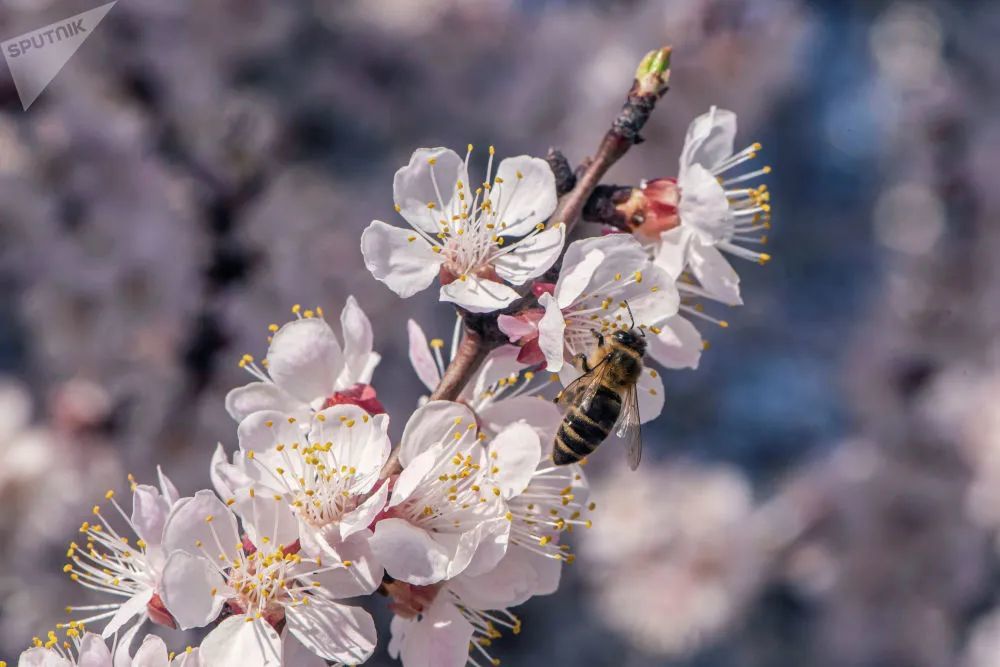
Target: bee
x=603 y=398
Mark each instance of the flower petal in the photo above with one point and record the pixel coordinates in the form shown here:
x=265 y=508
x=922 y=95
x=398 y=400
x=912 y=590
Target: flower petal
x=239 y=642
x=551 y=331
x=501 y=364
x=703 y=206
x=294 y=653
x=678 y=345
x=364 y=574
x=480 y=549
x=709 y=139
x=134 y=606
x=248 y=399
x=413 y=475
x=584 y=268
x=203 y=520
x=650 y=395
x=152 y=653
x=93 y=652
x=520 y=575
x=715 y=274
x=514 y=453
x=524 y=194
x=43 y=657
x=333 y=631
x=532 y=257
x=430 y=424
x=671 y=252
x=167 y=488
x=405 y=266
x=304 y=359
x=539 y=413
x=267 y=517
x=364 y=514
x=516 y=328
x=478 y=295
x=360 y=441
x=360 y=360
x=149 y=513
x=413 y=186
x=187 y=589
x=408 y=552
x=439 y=639
x=420 y=356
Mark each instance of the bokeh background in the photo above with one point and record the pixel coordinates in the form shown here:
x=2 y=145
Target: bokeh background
x=823 y=491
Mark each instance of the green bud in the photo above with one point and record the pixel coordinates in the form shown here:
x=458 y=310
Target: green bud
x=653 y=73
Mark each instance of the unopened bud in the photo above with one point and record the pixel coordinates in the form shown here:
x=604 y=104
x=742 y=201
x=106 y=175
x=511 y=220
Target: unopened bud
x=651 y=209
x=652 y=76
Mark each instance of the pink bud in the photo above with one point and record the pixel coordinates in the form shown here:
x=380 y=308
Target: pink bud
x=361 y=395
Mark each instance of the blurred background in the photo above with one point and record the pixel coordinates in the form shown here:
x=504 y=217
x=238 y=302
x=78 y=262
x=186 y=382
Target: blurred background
x=823 y=491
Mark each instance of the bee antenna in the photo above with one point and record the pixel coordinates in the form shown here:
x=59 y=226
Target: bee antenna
x=629 y=307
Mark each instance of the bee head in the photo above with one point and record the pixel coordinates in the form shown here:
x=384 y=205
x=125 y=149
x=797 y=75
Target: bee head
x=629 y=338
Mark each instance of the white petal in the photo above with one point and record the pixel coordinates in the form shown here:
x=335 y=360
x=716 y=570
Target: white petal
x=709 y=139
x=439 y=639
x=152 y=653
x=228 y=478
x=516 y=328
x=678 y=345
x=362 y=577
x=703 y=206
x=650 y=394
x=304 y=359
x=360 y=441
x=248 y=399
x=501 y=363
x=420 y=356
x=408 y=553
x=478 y=295
x=43 y=657
x=192 y=658
x=149 y=513
x=524 y=201
x=582 y=267
x=238 y=643
x=539 y=413
x=186 y=590
x=93 y=652
x=672 y=250
x=267 y=518
x=531 y=257
x=360 y=360
x=294 y=653
x=134 y=606
x=406 y=267
x=521 y=574
x=333 y=631
x=715 y=274
x=551 y=332
x=413 y=186
x=479 y=550
x=123 y=648
x=411 y=480
x=432 y=423
x=167 y=488
x=263 y=431
x=578 y=267
x=516 y=451
x=362 y=516
x=189 y=523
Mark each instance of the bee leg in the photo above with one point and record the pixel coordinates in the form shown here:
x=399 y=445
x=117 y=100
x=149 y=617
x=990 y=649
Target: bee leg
x=582 y=363
x=599 y=336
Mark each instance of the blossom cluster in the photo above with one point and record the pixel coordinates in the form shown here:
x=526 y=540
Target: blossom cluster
x=314 y=513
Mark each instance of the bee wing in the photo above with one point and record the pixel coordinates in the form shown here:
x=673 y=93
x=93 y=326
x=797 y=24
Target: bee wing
x=628 y=427
x=582 y=390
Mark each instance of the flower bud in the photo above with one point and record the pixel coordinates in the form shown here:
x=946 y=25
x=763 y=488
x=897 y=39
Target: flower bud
x=651 y=209
x=652 y=76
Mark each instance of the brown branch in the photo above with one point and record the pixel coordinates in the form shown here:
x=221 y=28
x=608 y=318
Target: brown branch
x=650 y=84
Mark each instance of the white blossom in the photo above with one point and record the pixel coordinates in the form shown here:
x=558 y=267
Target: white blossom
x=716 y=213
x=128 y=570
x=477 y=240
x=262 y=580
x=606 y=282
x=448 y=512
x=306 y=368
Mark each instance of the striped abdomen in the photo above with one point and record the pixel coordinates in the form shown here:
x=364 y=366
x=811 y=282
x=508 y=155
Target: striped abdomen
x=582 y=430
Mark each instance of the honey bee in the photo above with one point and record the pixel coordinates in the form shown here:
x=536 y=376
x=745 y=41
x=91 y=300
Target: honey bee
x=603 y=399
